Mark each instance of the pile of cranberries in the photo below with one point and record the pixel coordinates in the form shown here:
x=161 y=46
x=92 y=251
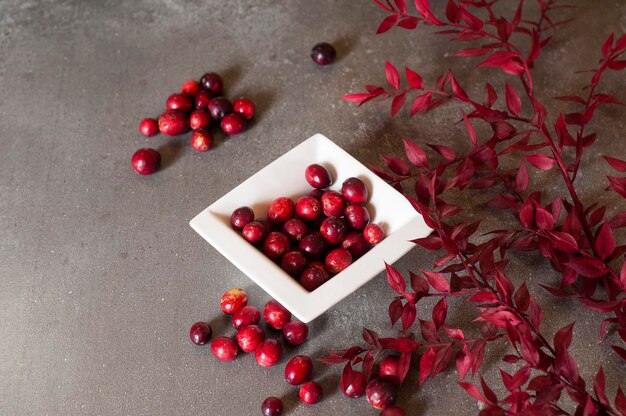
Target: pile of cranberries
x=319 y=234
x=197 y=106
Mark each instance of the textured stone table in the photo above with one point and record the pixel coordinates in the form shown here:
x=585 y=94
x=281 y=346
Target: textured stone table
x=100 y=274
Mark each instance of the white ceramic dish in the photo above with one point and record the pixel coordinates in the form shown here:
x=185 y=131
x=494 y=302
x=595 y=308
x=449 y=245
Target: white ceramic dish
x=285 y=177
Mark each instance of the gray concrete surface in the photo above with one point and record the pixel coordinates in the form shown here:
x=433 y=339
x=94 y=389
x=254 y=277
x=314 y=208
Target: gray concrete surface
x=100 y=274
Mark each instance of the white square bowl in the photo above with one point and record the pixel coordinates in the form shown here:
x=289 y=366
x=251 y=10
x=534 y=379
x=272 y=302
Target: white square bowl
x=285 y=177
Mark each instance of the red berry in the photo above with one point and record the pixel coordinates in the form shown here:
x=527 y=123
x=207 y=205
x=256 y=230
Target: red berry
x=293 y=263
x=321 y=267
x=333 y=230
x=250 y=337
x=308 y=208
x=333 y=204
x=354 y=385
x=202 y=100
x=233 y=300
x=380 y=393
x=374 y=233
x=149 y=127
x=275 y=245
x=146 y=161
x=224 y=348
x=272 y=406
x=190 y=87
x=178 y=101
x=323 y=54
x=201 y=140
x=310 y=392
x=355 y=243
x=298 y=370
x=276 y=315
x=241 y=217
x=212 y=82
x=281 y=210
x=199 y=119
x=244 y=106
x=392 y=411
x=318 y=176
x=317 y=194
x=254 y=232
x=313 y=246
x=173 y=123
x=295 y=332
x=295 y=229
x=233 y=124
x=354 y=190
x=248 y=315
x=311 y=279
x=219 y=107
x=268 y=352
x=389 y=368
x=200 y=333
x=338 y=259
x=357 y=215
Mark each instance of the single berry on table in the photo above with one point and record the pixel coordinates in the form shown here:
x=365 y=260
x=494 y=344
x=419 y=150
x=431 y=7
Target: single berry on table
x=233 y=300
x=354 y=386
x=275 y=245
x=355 y=243
x=308 y=208
x=276 y=315
x=338 y=260
x=190 y=87
x=310 y=392
x=200 y=333
x=250 y=337
x=318 y=176
x=146 y=161
x=212 y=82
x=373 y=233
x=173 y=123
x=254 y=232
x=298 y=370
x=281 y=210
x=295 y=332
x=244 y=106
x=149 y=127
x=233 y=124
x=272 y=406
x=248 y=315
x=311 y=278
x=293 y=263
x=333 y=204
x=224 y=348
x=295 y=229
x=219 y=107
x=201 y=140
x=199 y=119
x=268 y=352
x=313 y=246
x=357 y=215
x=241 y=217
x=202 y=100
x=178 y=101
x=323 y=54
x=333 y=230
x=380 y=393
x=355 y=191
x=392 y=411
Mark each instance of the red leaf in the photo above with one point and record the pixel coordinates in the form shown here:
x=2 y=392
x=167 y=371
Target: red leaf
x=446 y=152
x=474 y=392
x=605 y=241
x=587 y=266
x=429 y=331
x=503 y=201
x=368 y=365
x=401 y=5
x=370 y=337
x=521 y=179
x=399 y=344
x=571 y=98
x=397 y=103
x=395 y=279
x=421 y=103
x=393 y=78
x=526 y=214
x=359 y=98
x=622 y=275
x=620 y=351
x=423 y=8
x=563 y=337
x=617 y=65
x=454 y=333
x=439 y=312
x=397 y=165
x=617 y=164
x=470 y=130
x=513 y=102
x=618 y=185
x=599 y=384
x=463 y=361
x=490 y=95
x=504 y=286
x=541 y=161
x=607 y=46
x=415 y=154
x=472 y=21
x=563 y=241
x=485 y=297
x=404 y=364
x=426 y=364
x=522 y=298
x=473 y=51
x=429 y=243
x=600 y=306
x=419 y=284
x=437 y=280
x=536 y=314
x=457 y=90
x=408 y=315
x=395 y=311
x=620 y=45
x=408 y=22
x=387 y=23
x=383 y=6
x=415 y=80
x=512 y=67
x=543 y=218
x=453 y=12
x=497 y=59
x=565 y=138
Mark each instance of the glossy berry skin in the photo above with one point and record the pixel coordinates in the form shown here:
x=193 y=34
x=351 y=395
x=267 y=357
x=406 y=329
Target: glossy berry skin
x=295 y=332
x=318 y=176
x=373 y=233
x=276 y=315
x=295 y=229
x=146 y=161
x=201 y=140
x=244 y=106
x=355 y=191
x=333 y=230
x=298 y=370
x=317 y=194
x=241 y=217
x=248 y=315
x=392 y=411
x=250 y=337
x=355 y=243
x=333 y=204
x=321 y=267
x=355 y=386
x=268 y=352
x=224 y=348
x=293 y=263
x=200 y=333
x=272 y=406
x=308 y=208
x=338 y=259
x=202 y=100
x=275 y=245
x=313 y=246
x=199 y=119
x=281 y=210
x=254 y=232
x=389 y=369
x=310 y=392
x=212 y=82
x=149 y=127
x=190 y=87
x=233 y=300
x=357 y=215
x=323 y=54
x=233 y=124
x=380 y=393
x=219 y=107
x=178 y=101
x=173 y=123
x=311 y=279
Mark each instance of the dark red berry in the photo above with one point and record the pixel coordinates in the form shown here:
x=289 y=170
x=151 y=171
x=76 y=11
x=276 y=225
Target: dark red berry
x=392 y=411
x=241 y=217
x=202 y=100
x=219 y=107
x=317 y=194
x=281 y=210
x=233 y=300
x=276 y=315
x=212 y=82
x=354 y=385
x=298 y=370
x=199 y=119
x=250 y=337
x=190 y=87
x=268 y=352
x=173 y=123
x=389 y=368
x=308 y=208
x=254 y=232
x=224 y=348
x=201 y=140
x=338 y=259
x=373 y=233
x=149 y=127
x=355 y=243
x=272 y=406
x=318 y=176
x=233 y=124
x=357 y=215
x=275 y=245
x=333 y=230
x=146 y=161
x=354 y=190
x=178 y=101
x=200 y=333
x=295 y=229
x=333 y=204
x=244 y=106
x=248 y=315
x=313 y=246
x=380 y=393
x=295 y=332
x=321 y=267
x=323 y=53
x=293 y=263
x=311 y=279
x=310 y=392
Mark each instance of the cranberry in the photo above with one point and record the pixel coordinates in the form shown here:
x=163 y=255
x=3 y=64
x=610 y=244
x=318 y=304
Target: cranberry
x=317 y=194
x=295 y=229
x=333 y=230
x=244 y=106
x=308 y=208
x=233 y=124
x=272 y=406
x=224 y=348
x=233 y=300
x=298 y=370
x=354 y=386
x=322 y=268
x=354 y=190
x=374 y=233
x=318 y=176
x=248 y=315
x=212 y=82
x=388 y=368
x=333 y=204
x=146 y=161
x=323 y=54
x=241 y=217
x=201 y=140
x=338 y=259
x=200 y=333
x=280 y=210
x=295 y=332
x=311 y=279
x=355 y=243
x=313 y=246
x=357 y=215
x=190 y=87
x=268 y=352
x=310 y=392
x=275 y=245
x=178 y=101
x=173 y=123
x=276 y=315
x=380 y=393
x=393 y=411
x=219 y=107
x=202 y=100
x=293 y=263
x=254 y=232
x=149 y=127
x=250 y=337
x=199 y=119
